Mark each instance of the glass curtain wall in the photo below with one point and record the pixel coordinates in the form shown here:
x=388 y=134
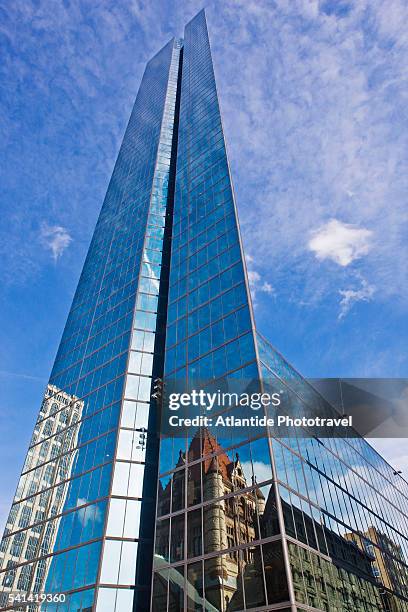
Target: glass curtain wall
x=214 y=550
x=255 y=524
x=94 y=418
x=345 y=511
x=226 y=522
x=127 y=553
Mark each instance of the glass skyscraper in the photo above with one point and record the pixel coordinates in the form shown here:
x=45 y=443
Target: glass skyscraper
x=110 y=516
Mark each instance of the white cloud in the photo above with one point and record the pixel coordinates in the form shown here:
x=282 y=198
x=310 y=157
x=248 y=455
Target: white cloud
x=7 y=374
x=394 y=450
x=351 y=296
x=317 y=140
x=261 y=470
x=267 y=288
x=88 y=513
x=55 y=238
x=343 y=243
x=256 y=282
x=253 y=277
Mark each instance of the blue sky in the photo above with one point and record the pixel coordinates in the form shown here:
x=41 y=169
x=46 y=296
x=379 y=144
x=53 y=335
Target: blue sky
x=314 y=100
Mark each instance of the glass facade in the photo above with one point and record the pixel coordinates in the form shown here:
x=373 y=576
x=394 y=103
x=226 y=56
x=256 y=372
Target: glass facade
x=117 y=518
x=259 y=523
x=77 y=524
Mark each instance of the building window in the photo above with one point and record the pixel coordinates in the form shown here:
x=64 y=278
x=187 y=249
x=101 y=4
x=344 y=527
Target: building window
x=31 y=548
x=17 y=545
x=24 y=578
x=25 y=517
x=9 y=575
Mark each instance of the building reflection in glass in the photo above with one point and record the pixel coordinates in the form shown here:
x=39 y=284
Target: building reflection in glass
x=52 y=509
x=229 y=513
x=219 y=541
x=260 y=524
